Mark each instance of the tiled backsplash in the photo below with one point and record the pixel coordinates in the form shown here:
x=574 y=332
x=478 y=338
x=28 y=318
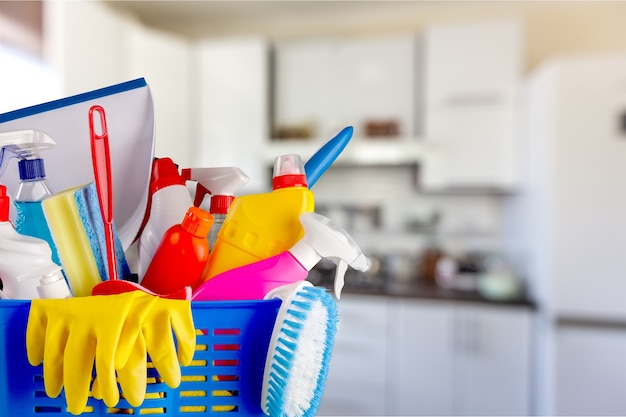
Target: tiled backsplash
x=459 y=220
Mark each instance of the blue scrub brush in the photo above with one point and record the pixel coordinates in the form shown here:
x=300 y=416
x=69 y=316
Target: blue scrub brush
x=297 y=360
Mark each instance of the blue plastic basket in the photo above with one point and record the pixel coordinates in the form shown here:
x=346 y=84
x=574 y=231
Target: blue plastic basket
x=225 y=377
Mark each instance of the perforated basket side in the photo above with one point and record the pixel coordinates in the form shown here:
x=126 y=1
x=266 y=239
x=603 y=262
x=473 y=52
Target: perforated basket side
x=224 y=377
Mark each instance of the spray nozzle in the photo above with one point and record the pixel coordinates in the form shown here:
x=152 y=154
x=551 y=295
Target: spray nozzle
x=22 y=144
x=324 y=238
x=221 y=182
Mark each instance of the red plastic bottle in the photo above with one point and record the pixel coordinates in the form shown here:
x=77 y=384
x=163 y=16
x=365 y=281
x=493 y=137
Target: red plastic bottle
x=182 y=254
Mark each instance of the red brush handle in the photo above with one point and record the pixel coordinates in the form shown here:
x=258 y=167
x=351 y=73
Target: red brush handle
x=101 y=159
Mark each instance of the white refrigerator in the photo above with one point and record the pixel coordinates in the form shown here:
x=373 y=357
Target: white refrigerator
x=567 y=228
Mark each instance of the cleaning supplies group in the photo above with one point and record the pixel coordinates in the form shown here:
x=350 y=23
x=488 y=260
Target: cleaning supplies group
x=221 y=246
x=251 y=247
x=264 y=241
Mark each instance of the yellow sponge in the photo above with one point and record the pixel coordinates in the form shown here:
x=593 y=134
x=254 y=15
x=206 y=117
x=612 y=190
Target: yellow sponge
x=77 y=228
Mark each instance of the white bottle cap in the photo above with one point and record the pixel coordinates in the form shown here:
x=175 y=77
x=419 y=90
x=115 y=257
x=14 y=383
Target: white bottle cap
x=53 y=285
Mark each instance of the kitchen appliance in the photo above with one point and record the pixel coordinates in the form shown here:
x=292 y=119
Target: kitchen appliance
x=567 y=228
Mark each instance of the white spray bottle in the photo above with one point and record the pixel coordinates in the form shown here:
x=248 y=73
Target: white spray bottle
x=222 y=183
x=322 y=239
x=26 y=145
x=169 y=203
x=26 y=268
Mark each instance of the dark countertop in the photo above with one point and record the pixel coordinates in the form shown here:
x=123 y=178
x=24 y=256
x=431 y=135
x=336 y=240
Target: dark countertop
x=420 y=289
x=434 y=292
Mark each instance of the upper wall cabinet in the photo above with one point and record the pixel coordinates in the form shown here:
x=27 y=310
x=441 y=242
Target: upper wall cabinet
x=472 y=64
x=470 y=105
x=323 y=85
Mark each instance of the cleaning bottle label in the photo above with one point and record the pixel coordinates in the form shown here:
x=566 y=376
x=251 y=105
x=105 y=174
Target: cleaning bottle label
x=30 y=221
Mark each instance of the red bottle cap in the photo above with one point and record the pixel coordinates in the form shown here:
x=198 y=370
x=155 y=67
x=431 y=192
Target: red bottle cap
x=220 y=204
x=4 y=204
x=164 y=173
x=197 y=222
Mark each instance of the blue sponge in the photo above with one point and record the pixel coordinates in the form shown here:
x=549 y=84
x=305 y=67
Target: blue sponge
x=91 y=217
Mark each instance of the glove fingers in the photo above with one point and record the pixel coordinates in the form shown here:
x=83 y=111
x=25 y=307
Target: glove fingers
x=105 y=368
x=162 y=351
x=77 y=370
x=56 y=340
x=182 y=323
x=113 y=342
x=36 y=333
x=96 y=392
x=132 y=329
x=133 y=375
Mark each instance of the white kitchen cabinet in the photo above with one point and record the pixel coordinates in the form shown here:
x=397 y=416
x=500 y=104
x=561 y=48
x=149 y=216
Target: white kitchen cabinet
x=408 y=356
x=421 y=358
x=376 y=81
x=357 y=379
x=492 y=360
x=233 y=106
x=472 y=63
x=335 y=82
x=460 y=359
x=590 y=370
x=473 y=147
x=304 y=85
x=472 y=75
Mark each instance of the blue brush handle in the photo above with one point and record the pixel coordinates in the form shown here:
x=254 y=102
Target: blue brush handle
x=326 y=155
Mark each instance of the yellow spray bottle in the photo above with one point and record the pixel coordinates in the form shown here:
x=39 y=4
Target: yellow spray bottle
x=259 y=226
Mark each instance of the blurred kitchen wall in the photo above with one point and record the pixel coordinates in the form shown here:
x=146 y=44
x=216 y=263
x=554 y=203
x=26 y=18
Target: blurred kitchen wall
x=552 y=28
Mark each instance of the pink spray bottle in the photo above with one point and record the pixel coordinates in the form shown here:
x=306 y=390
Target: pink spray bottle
x=322 y=239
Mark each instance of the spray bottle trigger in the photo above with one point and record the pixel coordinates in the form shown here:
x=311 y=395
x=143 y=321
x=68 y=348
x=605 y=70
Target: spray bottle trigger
x=340 y=272
x=361 y=263
x=22 y=144
x=5 y=155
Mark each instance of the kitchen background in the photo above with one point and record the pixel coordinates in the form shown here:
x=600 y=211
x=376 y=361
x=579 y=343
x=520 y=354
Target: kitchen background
x=484 y=178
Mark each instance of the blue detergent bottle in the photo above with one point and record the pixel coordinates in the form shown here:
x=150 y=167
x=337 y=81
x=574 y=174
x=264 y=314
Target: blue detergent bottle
x=25 y=145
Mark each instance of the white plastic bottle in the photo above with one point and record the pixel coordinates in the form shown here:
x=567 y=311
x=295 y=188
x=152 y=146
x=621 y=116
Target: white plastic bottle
x=24 y=260
x=222 y=183
x=53 y=285
x=170 y=202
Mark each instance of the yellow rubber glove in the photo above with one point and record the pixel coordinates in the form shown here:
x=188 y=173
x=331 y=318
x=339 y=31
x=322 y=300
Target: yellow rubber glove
x=130 y=357
x=165 y=316
x=152 y=331
x=69 y=335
